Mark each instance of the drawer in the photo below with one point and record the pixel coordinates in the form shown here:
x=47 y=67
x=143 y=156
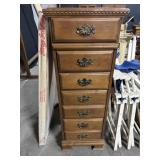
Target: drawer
x=84 y=111
x=86 y=29
x=85 y=60
x=86 y=97
x=83 y=124
x=83 y=135
x=84 y=80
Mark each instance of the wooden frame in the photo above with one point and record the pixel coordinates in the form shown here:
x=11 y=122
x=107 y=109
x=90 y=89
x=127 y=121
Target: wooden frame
x=24 y=60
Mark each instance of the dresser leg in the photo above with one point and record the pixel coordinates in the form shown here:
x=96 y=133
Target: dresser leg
x=97 y=147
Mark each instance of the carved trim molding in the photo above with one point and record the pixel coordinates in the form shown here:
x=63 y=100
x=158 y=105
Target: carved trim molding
x=86 y=12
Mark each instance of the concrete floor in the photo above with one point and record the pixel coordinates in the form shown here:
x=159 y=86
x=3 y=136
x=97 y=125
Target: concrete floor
x=29 y=130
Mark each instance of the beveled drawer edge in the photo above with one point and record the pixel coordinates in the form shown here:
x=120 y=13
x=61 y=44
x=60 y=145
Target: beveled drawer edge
x=92 y=106
x=87 y=131
x=86 y=73
x=86 y=91
x=74 y=46
x=104 y=52
x=84 y=119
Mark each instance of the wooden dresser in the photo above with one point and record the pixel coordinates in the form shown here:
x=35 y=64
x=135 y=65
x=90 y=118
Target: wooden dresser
x=84 y=43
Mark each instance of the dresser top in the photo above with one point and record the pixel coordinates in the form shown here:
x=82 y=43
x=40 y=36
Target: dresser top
x=49 y=12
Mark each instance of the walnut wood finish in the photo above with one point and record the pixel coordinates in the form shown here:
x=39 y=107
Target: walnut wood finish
x=65 y=29
x=97 y=80
x=89 y=35
x=83 y=124
x=99 y=61
x=84 y=111
x=97 y=97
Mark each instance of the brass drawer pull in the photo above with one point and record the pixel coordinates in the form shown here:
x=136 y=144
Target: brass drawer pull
x=82 y=113
x=83 y=99
x=84 y=82
x=85 y=30
x=82 y=125
x=84 y=62
x=82 y=136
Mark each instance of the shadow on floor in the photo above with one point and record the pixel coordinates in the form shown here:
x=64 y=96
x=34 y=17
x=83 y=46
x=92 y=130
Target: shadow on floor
x=55 y=122
x=35 y=129
x=55 y=118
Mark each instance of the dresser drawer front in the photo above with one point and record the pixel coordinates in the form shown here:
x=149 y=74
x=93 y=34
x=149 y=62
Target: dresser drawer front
x=84 y=80
x=83 y=124
x=83 y=135
x=86 y=97
x=84 y=111
x=85 y=60
x=86 y=29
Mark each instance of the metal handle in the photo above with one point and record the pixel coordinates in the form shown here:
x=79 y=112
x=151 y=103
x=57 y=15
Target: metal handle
x=83 y=99
x=82 y=113
x=85 y=30
x=84 y=62
x=82 y=136
x=84 y=82
x=82 y=125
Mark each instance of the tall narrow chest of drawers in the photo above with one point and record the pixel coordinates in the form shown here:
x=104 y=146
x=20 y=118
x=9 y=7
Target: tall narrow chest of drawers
x=84 y=43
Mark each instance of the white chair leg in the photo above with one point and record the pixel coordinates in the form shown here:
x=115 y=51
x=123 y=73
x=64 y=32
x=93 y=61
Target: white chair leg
x=131 y=125
x=118 y=127
x=120 y=141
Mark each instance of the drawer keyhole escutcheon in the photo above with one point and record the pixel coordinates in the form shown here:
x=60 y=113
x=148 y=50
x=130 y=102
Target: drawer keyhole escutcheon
x=84 y=62
x=84 y=82
x=83 y=99
x=82 y=125
x=82 y=136
x=82 y=113
x=85 y=30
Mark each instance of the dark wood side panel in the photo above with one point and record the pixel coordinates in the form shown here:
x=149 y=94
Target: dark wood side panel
x=109 y=93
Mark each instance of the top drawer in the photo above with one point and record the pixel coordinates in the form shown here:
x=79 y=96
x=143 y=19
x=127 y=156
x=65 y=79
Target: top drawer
x=85 y=29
